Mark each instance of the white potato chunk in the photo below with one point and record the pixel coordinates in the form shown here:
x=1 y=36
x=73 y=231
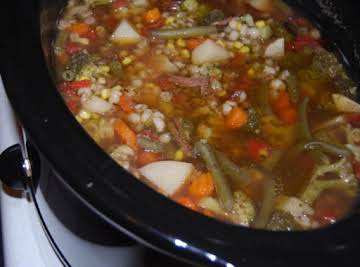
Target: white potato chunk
x=168 y=176
x=301 y=211
x=97 y=105
x=161 y=63
x=276 y=49
x=125 y=34
x=209 y=52
x=345 y=104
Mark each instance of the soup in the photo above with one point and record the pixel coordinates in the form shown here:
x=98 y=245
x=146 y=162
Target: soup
x=235 y=110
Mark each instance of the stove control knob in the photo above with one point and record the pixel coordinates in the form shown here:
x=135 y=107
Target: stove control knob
x=13 y=168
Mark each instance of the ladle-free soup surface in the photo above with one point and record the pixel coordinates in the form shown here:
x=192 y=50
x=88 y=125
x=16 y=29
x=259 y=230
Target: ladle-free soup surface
x=233 y=109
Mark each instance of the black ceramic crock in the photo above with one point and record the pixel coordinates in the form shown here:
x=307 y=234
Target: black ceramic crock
x=122 y=203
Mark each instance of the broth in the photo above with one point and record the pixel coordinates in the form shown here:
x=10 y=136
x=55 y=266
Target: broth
x=233 y=109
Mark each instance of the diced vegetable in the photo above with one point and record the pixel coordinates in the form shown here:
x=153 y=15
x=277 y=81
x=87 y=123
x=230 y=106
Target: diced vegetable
x=97 y=105
x=276 y=49
x=126 y=104
x=193 y=43
x=162 y=64
x=236 y=118
x=125 y=134
x=147 y=157
x=119 y=4
x=209 y=52
x=152 y=15
x=268 y=199
x=184 y=32
x=301 y=211
x=221 y=184
x=257 y=149
x=345 y=104
x=303 y=124
x=202 y=186
x=125 y=34
x=168 y=176
x=239 y=177
x=80 y=28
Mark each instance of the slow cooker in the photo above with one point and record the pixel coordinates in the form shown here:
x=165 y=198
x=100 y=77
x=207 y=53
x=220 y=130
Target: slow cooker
x=101 y=202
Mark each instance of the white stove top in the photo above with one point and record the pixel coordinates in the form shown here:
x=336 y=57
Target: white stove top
x=24 y=241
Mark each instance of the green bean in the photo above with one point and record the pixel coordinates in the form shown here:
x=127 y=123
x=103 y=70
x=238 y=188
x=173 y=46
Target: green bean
x=267 y=203
x=262 y=95
x=303 y=124
x=335 y=150
x=148 y=144
x=221 y=184
x=293 y=88
x=238 y=176
x=68 y=75
x=184 y=32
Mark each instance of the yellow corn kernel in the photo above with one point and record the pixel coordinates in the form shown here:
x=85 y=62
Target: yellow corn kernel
x=238 y=45
x=124 y=53
x=105 y=94
x=221 y=93
x=127 y=61
x=169 y=20
x=179 y=155
x=245 y=49
x=221 y=42
x=180 y=42
x=83 y=77
x=185 y=53
x=251 y=72
x=84 y=114
x=170 y=45
x=78 y=118
x=260 y=24
x=104 y=68
x=238 y=26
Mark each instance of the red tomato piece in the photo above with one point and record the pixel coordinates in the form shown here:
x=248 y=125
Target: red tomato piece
x=91 y=35
x=146 y=30
x=119 y=4
x=74 y=105
x=72 y=48
x=353 y=119
x=76 y=85
x=257 y=149
x=302 y=41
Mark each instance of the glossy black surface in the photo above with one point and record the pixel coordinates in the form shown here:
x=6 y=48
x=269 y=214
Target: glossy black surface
x=126 y=203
